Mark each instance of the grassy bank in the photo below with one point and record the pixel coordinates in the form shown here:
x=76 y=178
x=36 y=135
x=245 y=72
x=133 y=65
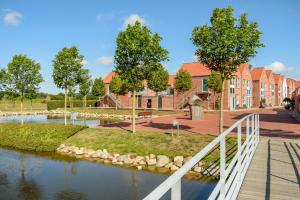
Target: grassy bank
x=37 y=137
x=112 y=111
x=9 y=106
x=145 y=142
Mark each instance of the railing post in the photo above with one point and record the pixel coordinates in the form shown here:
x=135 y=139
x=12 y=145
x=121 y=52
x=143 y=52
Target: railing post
x=239 y=163
x=222 y=167
x=258 y=128
x=176 y=191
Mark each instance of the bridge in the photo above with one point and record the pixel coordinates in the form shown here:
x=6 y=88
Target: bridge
x=262 y=168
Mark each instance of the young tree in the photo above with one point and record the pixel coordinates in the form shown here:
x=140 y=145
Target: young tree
x=67 y=70
x=31 y=94
x=98 y=88
x=225 y=44
x=137 y=51
x=23 y=75
x=158 y=81
x=117 y=86
x=183 y=82
x=215 y=84
x=85 y=86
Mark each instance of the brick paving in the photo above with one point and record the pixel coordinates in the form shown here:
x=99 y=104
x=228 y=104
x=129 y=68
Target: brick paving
x=274 y=122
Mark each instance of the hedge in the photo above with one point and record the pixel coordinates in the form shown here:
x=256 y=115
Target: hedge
x=54 y=104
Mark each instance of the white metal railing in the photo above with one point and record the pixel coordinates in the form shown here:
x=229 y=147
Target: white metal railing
x=231 y=174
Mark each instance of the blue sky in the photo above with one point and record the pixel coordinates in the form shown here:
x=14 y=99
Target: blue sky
x=41 y=28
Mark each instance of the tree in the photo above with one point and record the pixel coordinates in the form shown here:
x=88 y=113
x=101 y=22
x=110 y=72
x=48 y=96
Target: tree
x=85 y=86
x=138 y=51
x=23 y=76
x=98 y=88
x=31 y=94
x=117 y=86
x=67 y=70
x=225 y=44
x=215 y=84
x=183 y=82
x=158 y=81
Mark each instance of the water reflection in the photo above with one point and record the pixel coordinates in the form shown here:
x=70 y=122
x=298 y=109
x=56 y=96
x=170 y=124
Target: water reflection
x=49 y=176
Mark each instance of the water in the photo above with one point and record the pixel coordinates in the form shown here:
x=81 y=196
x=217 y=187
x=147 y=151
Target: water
x=43 y=119
x=30 y=176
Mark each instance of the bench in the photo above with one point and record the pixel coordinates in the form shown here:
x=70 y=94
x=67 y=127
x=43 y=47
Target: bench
x=145 y=114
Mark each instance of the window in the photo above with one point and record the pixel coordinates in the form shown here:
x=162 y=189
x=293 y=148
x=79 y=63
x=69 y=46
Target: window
x=232 y=81
x=249 y=84
x=238 y=83
x=204 y=85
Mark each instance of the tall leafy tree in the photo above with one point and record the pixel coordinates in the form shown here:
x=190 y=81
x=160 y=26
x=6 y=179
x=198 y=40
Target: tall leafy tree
x=98 y=88
x=158 y=81
x=138 y=51
x=215 y=84
x=67 y=70
x=85 y=86
x=117 y=86
x=225 y=44
x=23 y=75
x=183 y=82
x=31 y=94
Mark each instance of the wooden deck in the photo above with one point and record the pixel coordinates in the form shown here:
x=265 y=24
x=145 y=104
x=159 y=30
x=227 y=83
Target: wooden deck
x=274 y=172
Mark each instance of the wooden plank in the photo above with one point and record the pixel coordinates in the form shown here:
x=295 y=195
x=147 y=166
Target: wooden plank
x=274 y=171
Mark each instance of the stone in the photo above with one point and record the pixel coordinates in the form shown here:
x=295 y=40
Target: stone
x=128 y=160
x=79 y=152
x=122 y=158
x=185 y=160
x=162 y=161
x=89 y=152
x=178 y=161
x=198 y=169
x=169 y=165
x=138 y=158
x=151 y=162
x=142 y=162
x=174 y=168
x=97 y=154
x=139 y=167
x=114 y=160
x=152 y=156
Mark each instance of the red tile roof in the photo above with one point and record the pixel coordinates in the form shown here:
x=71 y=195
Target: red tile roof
x=171 y=80
x=108 y=77
x=277 y=78
x=196 y=69
x=256 y=73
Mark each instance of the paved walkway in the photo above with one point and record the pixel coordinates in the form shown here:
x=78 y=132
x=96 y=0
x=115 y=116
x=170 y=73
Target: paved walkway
x=273 y=122
x=274 y=171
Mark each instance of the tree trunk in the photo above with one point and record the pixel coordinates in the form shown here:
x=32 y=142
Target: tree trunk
x=65 y=113
x=214 y=101
x=116 y=102
x=31 y=104
x=133 y=111
x=22 y=122
x=157 y=100
x=221 y=107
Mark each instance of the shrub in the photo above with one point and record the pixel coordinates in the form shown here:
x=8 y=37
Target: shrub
x=54 y=104
x=36 y=137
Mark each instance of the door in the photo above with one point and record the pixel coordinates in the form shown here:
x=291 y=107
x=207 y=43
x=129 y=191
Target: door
x=149 y=103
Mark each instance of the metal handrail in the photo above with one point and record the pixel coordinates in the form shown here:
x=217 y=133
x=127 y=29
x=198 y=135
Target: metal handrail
x=231 y=175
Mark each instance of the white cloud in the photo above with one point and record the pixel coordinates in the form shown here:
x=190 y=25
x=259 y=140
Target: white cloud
x=279 y=67
x=195 y=57
x=11 y=17
x=131 y=19
x=105 y=60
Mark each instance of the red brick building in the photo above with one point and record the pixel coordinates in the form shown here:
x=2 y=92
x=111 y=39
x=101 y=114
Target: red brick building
x=260 y=83
x=270 y=89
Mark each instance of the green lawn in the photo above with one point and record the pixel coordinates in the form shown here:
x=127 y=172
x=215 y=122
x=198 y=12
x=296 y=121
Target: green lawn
x=9 y=106
x=36 y=137
x=122 y=111
x=145 y=142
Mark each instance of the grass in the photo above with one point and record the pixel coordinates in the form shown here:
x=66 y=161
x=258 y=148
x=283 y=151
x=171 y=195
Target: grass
x=146 y=142
x=36 y=137
x=9 y=106
x=122 y=111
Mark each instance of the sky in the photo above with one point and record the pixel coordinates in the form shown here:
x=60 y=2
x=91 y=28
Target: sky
x=40 y=29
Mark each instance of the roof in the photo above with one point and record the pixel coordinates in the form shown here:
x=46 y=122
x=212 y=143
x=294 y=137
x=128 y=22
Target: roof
x=108 y=77
x=277 y=77
x=196 y=69
x=171 y=80
x=256 y=73
x=243 y=66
